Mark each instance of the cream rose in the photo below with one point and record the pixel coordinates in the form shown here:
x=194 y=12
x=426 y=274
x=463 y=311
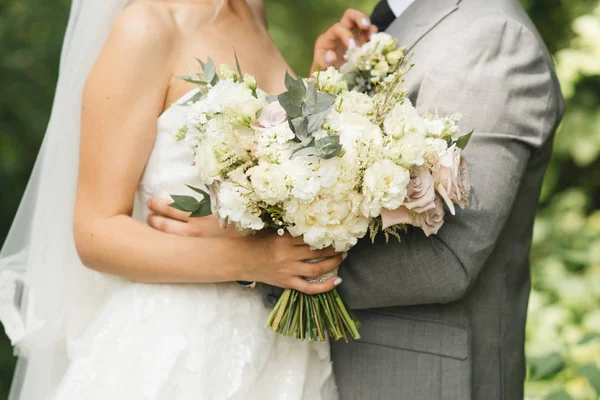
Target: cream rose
x=451 y=176
x=431 y=220
x=421 y=191
x=389 y=218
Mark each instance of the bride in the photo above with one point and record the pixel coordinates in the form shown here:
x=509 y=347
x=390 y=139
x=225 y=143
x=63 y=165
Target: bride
x=155 y=315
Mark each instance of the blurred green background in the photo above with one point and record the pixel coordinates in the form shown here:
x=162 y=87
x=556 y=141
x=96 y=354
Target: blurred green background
x=564 y=320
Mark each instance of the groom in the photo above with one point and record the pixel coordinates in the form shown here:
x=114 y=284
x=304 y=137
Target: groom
x=444 y=317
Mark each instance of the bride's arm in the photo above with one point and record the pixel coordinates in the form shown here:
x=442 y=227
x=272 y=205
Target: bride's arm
x=123 y=96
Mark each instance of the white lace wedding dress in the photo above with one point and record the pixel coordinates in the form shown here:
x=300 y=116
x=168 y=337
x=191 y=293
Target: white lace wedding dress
x=187 y=341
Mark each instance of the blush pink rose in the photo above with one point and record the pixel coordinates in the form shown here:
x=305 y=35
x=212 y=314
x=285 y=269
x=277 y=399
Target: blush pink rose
x=270 y=116
x=420 y=191
x=400 y=215
x=451 y=176
x=431 y=220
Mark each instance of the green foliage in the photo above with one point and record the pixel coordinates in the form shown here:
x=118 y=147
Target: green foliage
x=564 y=310
x=564 y=325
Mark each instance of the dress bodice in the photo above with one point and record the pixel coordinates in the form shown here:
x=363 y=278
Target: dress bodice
x=170 y=166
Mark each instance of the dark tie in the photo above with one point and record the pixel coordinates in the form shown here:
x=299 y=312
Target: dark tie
x=382 y=15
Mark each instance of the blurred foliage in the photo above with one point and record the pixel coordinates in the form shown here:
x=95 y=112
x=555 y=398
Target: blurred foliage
x=564 y=321
x=564 y=313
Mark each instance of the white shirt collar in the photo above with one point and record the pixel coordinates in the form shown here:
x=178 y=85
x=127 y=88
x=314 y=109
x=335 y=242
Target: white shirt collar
x=399 y=6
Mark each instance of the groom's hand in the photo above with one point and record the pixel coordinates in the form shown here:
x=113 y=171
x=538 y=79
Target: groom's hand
x=354 y=29
x=170 y=220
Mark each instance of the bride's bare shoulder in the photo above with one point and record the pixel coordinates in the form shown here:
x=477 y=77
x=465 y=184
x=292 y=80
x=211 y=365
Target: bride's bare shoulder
x=144 y=25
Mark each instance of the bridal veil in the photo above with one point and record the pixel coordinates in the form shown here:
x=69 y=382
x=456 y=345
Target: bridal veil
x=42 y=281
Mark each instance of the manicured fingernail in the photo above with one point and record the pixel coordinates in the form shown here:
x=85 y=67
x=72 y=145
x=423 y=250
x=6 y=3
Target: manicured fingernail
x=329 y=57
x=365 y=22
x=344 y=255
x=337 y=282
x=351 y=42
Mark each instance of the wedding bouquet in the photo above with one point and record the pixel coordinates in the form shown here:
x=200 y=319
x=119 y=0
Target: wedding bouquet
x=321 y=162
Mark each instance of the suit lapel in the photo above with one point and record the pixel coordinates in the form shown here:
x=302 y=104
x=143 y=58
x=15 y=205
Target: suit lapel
x=419 y=19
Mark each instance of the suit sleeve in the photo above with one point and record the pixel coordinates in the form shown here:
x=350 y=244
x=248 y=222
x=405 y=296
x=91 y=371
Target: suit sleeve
x=497 y=75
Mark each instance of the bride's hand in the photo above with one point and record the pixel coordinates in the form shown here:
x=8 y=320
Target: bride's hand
x=170 y=220
x=281 y=261
x=275 y=260
x=354 y=28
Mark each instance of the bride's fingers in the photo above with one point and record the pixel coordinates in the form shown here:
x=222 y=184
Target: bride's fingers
x=168 y=225
x=365 y=36
x=316 y=269
x=308 y=254
x=355 y=19
x=315 y=287
x=359 y=24
x=162 y=207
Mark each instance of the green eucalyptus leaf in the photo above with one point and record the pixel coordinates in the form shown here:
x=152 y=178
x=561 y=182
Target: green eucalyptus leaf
x=592 y=374
x=195 y=98
x=210 y=72
x=203 y=210
x=197 y=190
x=300 y=125
x=307 y=151
x=463 y=141
x=289 y=81
x=291 y=109
x=329 y=146
x=184 y=203
x=201 y=63
x=296 y=89
x=314 y=120
x=311 y=94
x=322 y=103
x=307 y=144
x=192 y=79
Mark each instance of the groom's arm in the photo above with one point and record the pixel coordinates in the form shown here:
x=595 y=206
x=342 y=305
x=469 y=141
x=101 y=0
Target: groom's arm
x=498 y=76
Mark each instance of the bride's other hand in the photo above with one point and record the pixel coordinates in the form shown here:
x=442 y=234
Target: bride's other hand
x=354 y=28
x=170 y=220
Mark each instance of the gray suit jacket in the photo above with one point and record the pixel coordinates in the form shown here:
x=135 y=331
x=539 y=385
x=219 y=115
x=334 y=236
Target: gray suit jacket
x=444 y=317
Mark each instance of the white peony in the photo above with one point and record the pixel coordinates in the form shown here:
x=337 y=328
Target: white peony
x=269 y=182
x=355 y=102
x=385 y=186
